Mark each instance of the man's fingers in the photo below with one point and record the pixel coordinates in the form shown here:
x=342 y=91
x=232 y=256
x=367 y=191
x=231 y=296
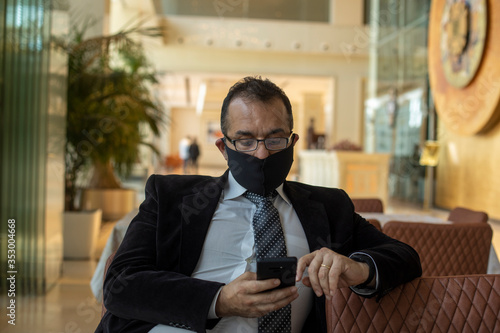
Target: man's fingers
x=263 y=285
x=290 y=296
x=334 y=276
x=314 y=278
x=306 y=282
x=248 y=297
x=273 y=300
x=328 y=271
x=324 y=268
x=323 y=277
x=302 y=265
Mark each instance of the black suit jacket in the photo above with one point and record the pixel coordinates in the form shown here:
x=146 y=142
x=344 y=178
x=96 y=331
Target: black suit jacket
x=149 y=279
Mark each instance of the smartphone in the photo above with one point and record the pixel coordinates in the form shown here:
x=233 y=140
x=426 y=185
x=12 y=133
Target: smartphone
x=284 y=268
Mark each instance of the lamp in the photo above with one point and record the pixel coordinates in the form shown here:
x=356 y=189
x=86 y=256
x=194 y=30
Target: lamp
x=430 y=153
x=429 y=158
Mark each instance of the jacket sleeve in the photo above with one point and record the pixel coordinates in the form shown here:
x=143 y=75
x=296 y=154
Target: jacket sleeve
x=329 y=220
x=136 y=288
x=395 y=262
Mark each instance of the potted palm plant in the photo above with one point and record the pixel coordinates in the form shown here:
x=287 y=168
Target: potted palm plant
x=110 y=111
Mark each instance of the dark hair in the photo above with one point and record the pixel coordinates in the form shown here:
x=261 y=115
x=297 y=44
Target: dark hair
x=254 y=88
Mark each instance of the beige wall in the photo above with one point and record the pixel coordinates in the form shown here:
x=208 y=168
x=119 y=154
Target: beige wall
x=185 y=122
x=336 y=52
x=97 y=11
x=468 y=173
x=346 y=12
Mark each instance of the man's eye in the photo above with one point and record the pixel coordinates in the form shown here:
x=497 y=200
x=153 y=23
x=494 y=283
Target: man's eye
x=246 y=143
x=274 y=141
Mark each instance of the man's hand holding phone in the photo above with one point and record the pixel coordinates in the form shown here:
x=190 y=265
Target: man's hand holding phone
x=254 y=295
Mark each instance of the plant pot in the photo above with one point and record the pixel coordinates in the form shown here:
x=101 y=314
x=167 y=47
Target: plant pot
x=80 y=233
x=114 y=203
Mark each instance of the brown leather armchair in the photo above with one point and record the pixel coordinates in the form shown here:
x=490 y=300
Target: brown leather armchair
x=466 y=215
x=467 y=303
x=368 y=205
x=446 y=249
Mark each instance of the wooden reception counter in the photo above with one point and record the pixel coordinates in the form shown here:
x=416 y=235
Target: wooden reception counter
x=361 y=175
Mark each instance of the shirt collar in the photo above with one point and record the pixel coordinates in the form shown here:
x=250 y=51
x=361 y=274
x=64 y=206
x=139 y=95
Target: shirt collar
x=234 y=189
x=282 y=194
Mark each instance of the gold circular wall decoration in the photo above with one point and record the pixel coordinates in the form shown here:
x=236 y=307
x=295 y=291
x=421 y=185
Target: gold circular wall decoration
x=464 y=27
x=464 y=63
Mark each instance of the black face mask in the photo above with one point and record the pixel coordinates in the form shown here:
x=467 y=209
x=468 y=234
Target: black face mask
x=260 y=176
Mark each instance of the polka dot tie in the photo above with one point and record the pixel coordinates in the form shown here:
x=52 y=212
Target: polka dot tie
x=270 y=243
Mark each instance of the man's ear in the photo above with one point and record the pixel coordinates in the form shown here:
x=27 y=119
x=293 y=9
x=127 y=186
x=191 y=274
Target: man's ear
x=295 y=138
x=222 y=147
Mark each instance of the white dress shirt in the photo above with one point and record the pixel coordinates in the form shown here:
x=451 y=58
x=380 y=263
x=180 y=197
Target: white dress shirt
x=229 y=251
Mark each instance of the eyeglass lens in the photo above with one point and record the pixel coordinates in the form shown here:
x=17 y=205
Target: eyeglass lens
x=270 y=143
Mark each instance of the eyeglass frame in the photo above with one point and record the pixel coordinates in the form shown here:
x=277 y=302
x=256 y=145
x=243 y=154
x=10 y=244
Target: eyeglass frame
x=291 y=136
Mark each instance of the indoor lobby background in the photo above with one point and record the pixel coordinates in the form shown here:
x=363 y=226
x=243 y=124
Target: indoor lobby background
x=359 y=68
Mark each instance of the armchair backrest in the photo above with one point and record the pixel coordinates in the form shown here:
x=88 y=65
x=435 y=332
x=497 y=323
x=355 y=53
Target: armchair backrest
x=467 y=303
x=466 y=215
x=368 y=205
x=446 y=249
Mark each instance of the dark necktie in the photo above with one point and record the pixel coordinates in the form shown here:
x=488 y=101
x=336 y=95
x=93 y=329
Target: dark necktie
x=270 y=243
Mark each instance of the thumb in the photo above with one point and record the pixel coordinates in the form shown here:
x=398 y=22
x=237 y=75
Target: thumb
x=306 y=282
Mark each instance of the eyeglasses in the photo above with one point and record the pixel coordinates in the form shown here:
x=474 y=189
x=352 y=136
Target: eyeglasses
x=246 y=145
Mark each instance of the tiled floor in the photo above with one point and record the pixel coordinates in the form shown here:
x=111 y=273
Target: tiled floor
x=68 y=307
x=71 y=307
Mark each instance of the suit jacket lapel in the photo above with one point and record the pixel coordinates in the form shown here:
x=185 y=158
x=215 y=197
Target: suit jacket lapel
x=197 y=210
x=312 y=216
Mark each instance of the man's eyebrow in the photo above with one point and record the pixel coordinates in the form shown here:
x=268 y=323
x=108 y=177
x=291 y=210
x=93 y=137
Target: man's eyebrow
x=248 y=133
x=244 y=133
x=277 y=130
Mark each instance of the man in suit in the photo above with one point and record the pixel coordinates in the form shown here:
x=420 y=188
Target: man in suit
x=187 y=262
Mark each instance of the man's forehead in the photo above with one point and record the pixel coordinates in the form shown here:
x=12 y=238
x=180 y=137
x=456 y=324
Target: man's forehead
x=274 y=105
